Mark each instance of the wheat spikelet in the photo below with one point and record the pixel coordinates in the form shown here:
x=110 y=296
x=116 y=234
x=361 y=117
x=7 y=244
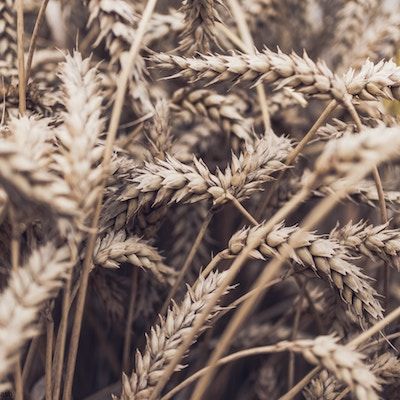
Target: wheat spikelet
x=385 y=367
x=116 y=248
x=260 y=11
x=324 y=387
x=117 y=20
x=29 y=288
x=336 y=129
x=267 y=383
x=366 y=149
x=185 y=225
x=381 y=40
x=162 y=26
x=293 y=71
x=326 y=257
x=166 y=337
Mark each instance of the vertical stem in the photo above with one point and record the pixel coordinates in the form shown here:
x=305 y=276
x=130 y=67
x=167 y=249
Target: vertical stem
x=59 y=352
x=244 y=30
x=29 y=359
x=34 y=37
x=296 y=323
x=49 y=354
x=19 y=390
x=21 y=63
x=381 y=199
x=129 y=320
x=15 y=249
x=112 y=132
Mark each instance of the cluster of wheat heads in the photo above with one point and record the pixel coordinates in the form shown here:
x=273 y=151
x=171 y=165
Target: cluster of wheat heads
x=199 y=199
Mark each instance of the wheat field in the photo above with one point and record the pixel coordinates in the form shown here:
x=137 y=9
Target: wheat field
x=199 y=199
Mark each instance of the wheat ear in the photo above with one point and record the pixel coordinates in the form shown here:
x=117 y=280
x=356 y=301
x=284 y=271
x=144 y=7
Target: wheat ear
x=116 y=248
x=326 y=257
x=79 y=153
x=165 y=337
x=200 y=19
x=223 y=110
x=371 y=241
x=25 y=161
x=29 y=288
x=372 y=81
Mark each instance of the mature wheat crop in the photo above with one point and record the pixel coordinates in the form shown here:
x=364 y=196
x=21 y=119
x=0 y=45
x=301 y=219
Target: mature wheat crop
x=199 y=199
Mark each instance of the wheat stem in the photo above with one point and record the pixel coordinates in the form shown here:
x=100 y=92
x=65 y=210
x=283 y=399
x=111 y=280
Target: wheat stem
x=129 y=321
x=244 y=30
x=35 y=34
x=59 y=351
x=21 y=63
x=242 y=209
x=295 y=330
x=49 y=354
x=381 y=201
